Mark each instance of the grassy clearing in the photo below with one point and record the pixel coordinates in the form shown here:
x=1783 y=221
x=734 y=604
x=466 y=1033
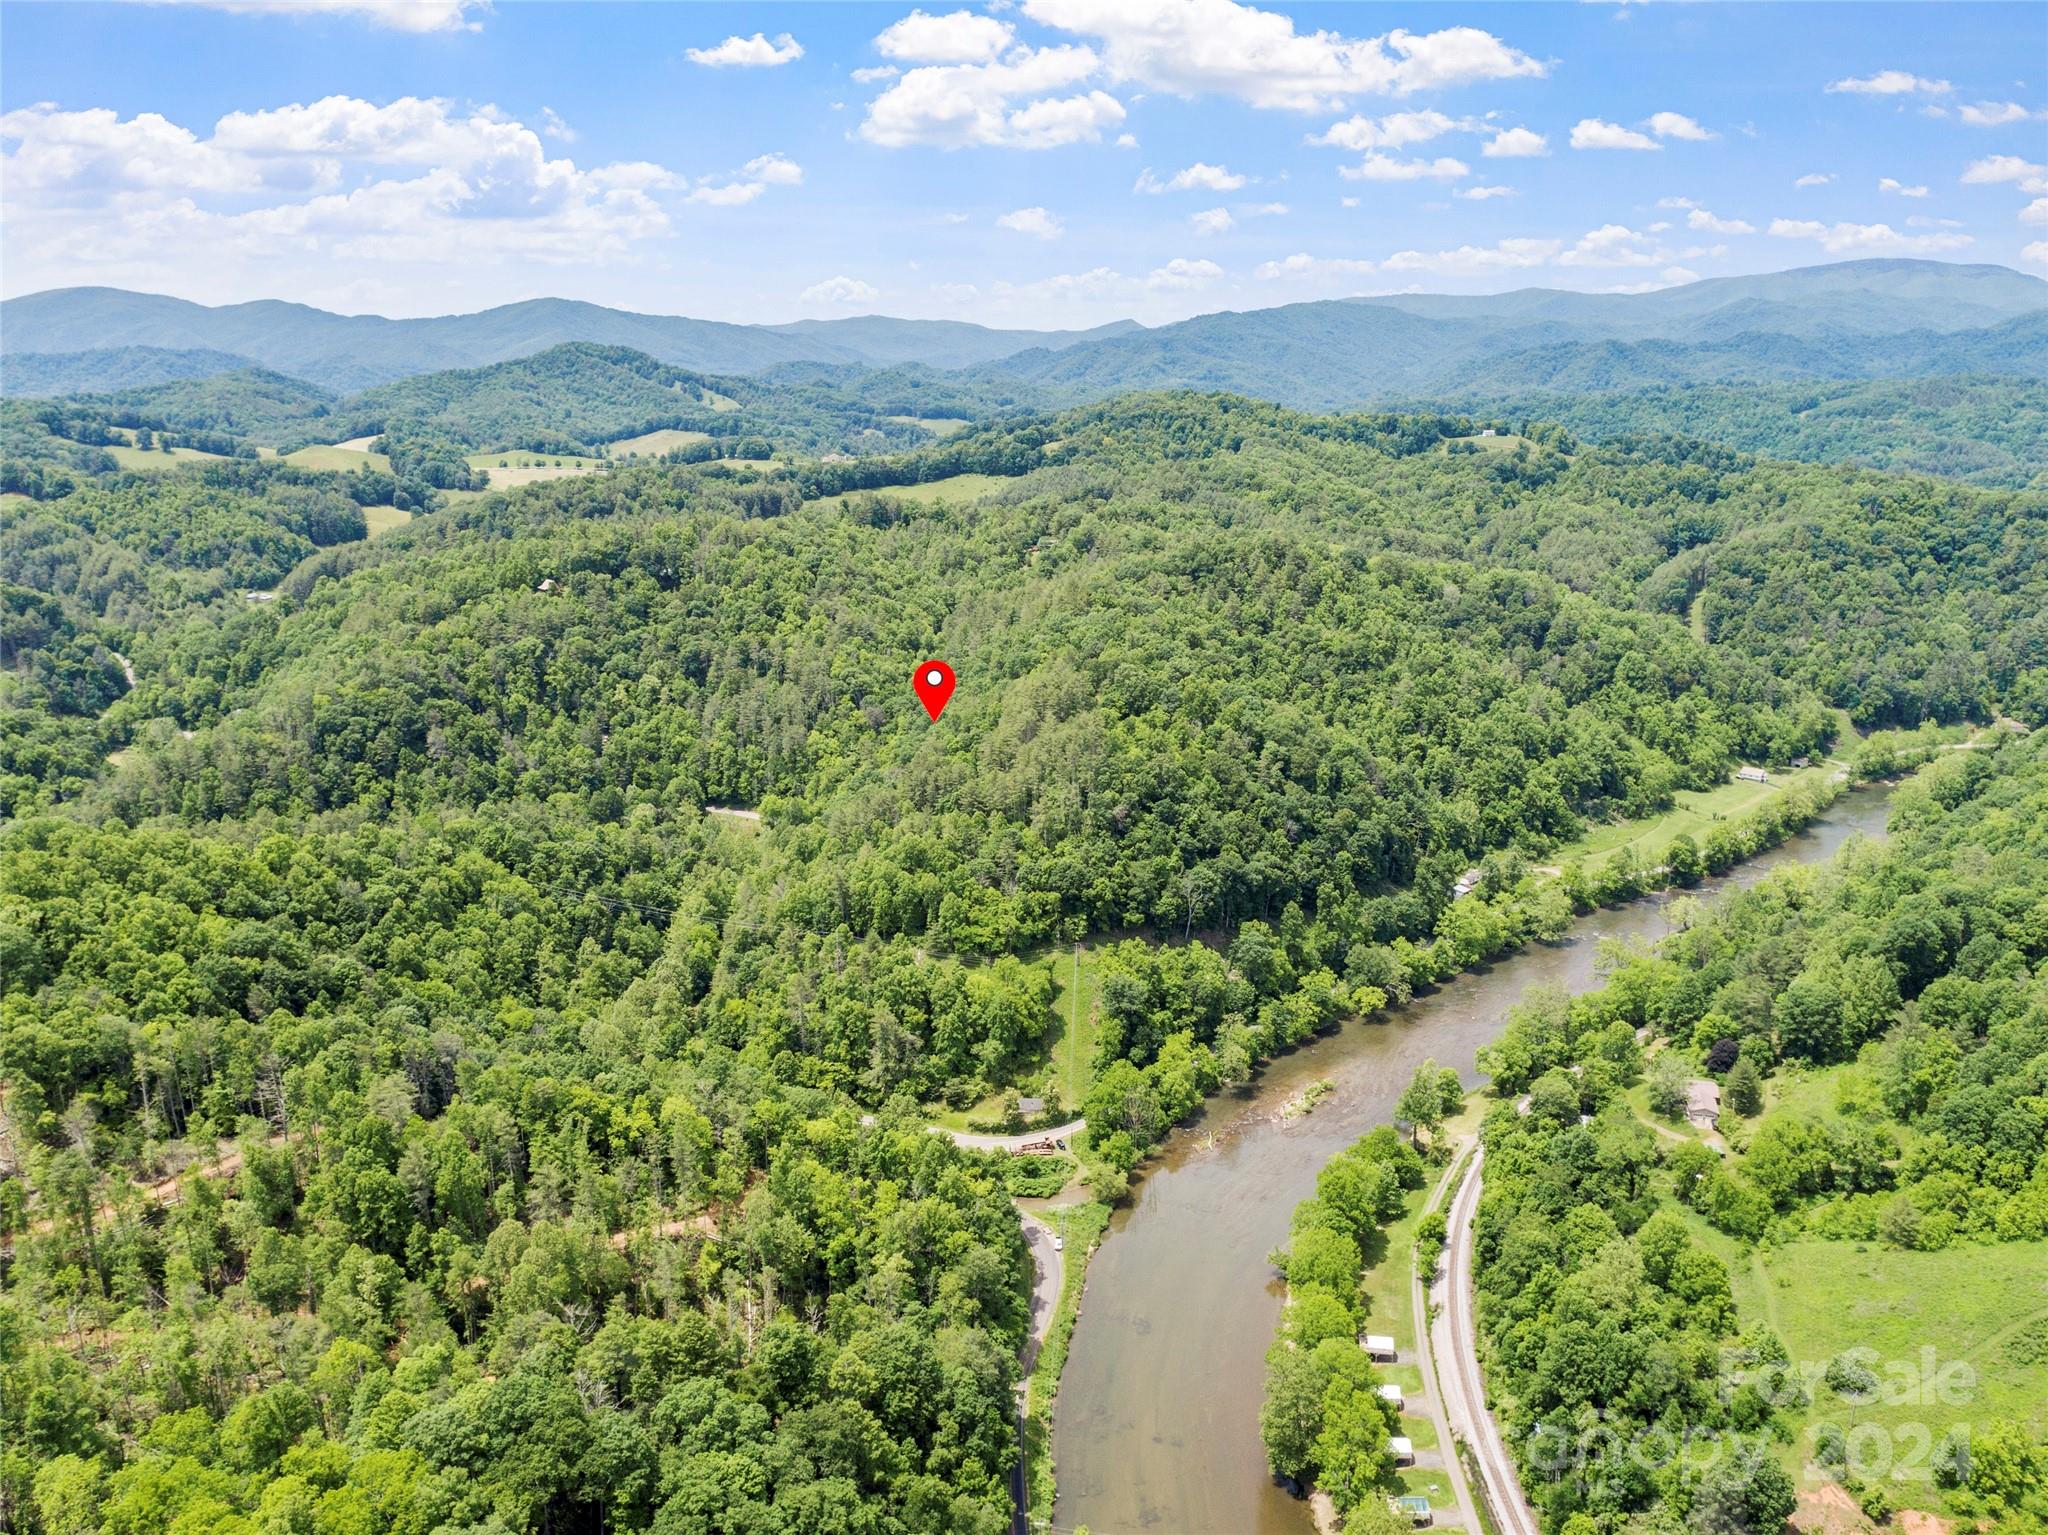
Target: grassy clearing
x=958 y=488
x=722 y=403
x=1070 y=1046
x=938 y=426
x=1693 y=814
x=359 y=444
x=382 y=519
x=1505 y=442
x=340 y=458
x=519 y=460
x=15 y=498
x=152 y=460
x=1082 y=1226
x=667 y=440
x=506 y=478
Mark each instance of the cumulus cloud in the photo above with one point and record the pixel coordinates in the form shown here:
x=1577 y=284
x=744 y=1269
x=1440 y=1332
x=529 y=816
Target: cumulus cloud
x=1379 y=167
x=1476 y=260
x=1996 y=114
x=1011 y=103
x=959 y=37
x=1710 y=223
x=1995 y=169
x=1814 y=179
x=1390 y=132
x=1516 y=144
x=1036 y=222
x=1482 y=194
x=1592 y=133
x=1866 y=239
x=1263 y=210
x=748 y=182
x=1899 y=188
x=1218 y=47
x=1212 y=221
x=1891 y=82
x=1301 y=266
x=426 y=184
x=1675 y=125
x=1199 y=177
x=1922 y=221
x=755 y=52
x=1611 y=245
x=2035 y=212
x=839 y=291
x=1181 y=274
x=2035 y=254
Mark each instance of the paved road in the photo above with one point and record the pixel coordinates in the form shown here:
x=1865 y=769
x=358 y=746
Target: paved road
x=973 y=1142
x=1464 y=1392
x=1433 y=1364
x=1048 y=1275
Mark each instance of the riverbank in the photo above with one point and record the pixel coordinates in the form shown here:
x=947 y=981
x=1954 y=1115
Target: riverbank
x=1080 y=1228
x=1156 y=1423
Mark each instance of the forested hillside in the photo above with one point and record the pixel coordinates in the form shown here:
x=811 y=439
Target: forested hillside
x=546 y=1197
x=1890 y=1011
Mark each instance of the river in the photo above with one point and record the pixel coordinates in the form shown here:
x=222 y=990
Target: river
x=1156 y=1426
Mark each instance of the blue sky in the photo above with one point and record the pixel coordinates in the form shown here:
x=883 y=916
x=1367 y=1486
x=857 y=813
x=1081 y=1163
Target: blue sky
x=1037 y=162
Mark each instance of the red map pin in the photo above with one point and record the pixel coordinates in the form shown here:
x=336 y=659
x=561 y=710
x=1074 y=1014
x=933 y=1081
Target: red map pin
x=934 y=684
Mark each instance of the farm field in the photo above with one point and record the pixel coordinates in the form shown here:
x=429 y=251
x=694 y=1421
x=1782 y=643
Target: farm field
x=382 y=519
x=150 y=460
x=338 y=456
x=938 y=426
x=520 y=459
x=957 y=488
x=649 y=444
x=504 y=478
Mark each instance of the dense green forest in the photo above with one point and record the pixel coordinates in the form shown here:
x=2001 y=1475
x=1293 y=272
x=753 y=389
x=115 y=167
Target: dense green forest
x=1982 y=431
x=1918 y=960
x=519 y=1097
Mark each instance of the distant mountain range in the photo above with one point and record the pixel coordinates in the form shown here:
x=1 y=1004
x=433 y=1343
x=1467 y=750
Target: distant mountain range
x=1850 y=320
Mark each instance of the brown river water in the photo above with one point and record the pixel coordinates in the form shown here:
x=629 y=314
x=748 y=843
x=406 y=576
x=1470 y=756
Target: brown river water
x=1156 y=1426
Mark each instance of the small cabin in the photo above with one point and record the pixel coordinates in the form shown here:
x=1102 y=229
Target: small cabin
x=1403 y=1450
x=1467 y=883
x=1802 y=762
x=1030 y=1108
x=1378 y=1345
x=1487 y=431
x=1394 y=1396
x=1703 y=1102
x=1416 y=1508
x=1752 y=775
x=546 y=585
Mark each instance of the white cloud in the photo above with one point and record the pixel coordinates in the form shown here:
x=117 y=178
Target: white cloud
x=874 y=74
x=1036 y=222
x=1390 y=132
x=1482 y=194
x=1476 y=260
x=1200 y=47
x=1592 y=133
x=1922 y=221
x=1516 y=144
x=1898 y=188
x=428 y=186
x=397 y=15
x=1199 y=177
x=959 y=37
x=1675 y=125
x=551 y=124
x=1994 y=169
x=1892 y=82
x=839 y=291
x=1181 y=274
x=1866 y=239
x=1301 y=266
x=1212 y=221
x=1263 y=210
x=748 y=182
x=1996 y=114
x=755 y=52
x=2035 y=254
x=2035 y=212
x=1814 y=179
x=1126 y=141
x=1701 y=219
x=1611 y=245
x=1379 y=167
x=1005 y=103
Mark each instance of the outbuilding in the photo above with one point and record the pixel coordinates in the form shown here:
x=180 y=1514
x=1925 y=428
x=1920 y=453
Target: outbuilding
x=1379 y=1345
x=1403 y=1450
x=1392 y=1394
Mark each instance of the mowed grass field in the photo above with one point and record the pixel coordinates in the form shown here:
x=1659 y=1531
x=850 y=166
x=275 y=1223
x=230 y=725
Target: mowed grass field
x=654 y=444
x=382 y=519
x=1693 y=814
x=938 y=426
x=339 y=457
x=149 y=460
x=522 y=460
x=959 y=488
